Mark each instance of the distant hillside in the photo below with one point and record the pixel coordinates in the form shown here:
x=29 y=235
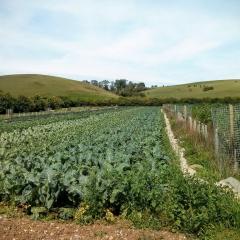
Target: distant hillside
x=221 y=89
x=44 y=85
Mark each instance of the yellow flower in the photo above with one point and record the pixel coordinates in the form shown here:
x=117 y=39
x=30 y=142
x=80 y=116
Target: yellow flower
x=80 y=212
x=109 y=216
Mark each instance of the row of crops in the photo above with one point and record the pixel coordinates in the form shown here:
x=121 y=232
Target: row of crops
x=43 y=164
x=117 y=161
x=23 y=122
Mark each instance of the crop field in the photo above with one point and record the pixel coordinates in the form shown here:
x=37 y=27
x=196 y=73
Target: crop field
x=23 y=122
x=108 y=163
x=43 y=163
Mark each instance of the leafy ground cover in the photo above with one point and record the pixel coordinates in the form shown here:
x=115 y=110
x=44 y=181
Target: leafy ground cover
x=115 y=164
x=198 y=153
x=24 y=122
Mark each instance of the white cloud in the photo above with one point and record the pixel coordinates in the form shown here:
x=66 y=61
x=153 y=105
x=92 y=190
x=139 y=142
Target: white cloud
x=154 y=43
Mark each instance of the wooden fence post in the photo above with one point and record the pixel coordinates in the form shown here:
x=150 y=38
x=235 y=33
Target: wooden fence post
x=190 y=123
x=199 y=128
x=216 y=145
x=194 y=125
x=206 y=131
x=185 y=112
x=232 y=136
x=236 y=163
x=216 y=142
x=231 y=118
x=9 y=113
x=202 y=130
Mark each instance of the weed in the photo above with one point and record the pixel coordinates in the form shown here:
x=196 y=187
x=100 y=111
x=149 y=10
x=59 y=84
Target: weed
x=100 y=234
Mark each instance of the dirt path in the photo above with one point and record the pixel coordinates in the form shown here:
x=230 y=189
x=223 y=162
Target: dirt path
x=178 y=150
x=26 y=229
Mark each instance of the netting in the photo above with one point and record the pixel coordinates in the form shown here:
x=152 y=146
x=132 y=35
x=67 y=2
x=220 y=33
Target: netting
x=226 y=122
x=224 y=129
x=182 y=110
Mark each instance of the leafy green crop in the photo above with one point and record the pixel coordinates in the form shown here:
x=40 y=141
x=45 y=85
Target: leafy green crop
x=50 y=164
x=19 y=123
x=117 y=162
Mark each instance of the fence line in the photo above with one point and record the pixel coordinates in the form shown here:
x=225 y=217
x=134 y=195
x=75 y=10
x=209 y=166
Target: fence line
x=226 y=121
x=223 y=132
x=10 y=115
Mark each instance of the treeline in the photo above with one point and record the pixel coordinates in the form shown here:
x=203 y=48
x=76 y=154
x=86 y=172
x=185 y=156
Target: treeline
x=33 y=104
x=40 y=103
x=121 y=87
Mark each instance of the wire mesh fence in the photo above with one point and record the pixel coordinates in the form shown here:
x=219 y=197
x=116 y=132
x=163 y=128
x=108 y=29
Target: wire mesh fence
x=11 y=115
x=226 y=122
x=222 y=132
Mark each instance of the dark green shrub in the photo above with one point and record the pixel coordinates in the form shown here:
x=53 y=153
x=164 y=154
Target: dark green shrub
x=162 y=196
x=66 y=213
x=6 y=102
x=23 y=104
x=207 y=88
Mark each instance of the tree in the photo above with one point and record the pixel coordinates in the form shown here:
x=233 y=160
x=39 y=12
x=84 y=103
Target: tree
x=104 y=84
x=40 y=103
x=23 y=104
x=140 y=87
x=55 y=102
x=6 y=102
x=86 y=81
x=94 y=82
x=120 y=84
x=112 y=86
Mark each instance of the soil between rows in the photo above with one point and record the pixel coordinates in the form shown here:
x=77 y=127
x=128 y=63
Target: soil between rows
x=27 y=229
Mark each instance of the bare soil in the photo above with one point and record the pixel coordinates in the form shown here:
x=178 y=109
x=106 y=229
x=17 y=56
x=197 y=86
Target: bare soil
x=27 y=229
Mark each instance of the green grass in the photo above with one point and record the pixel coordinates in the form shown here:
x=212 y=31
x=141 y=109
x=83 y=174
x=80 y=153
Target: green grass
x=33 y=84
x=222 y=88
x=197 y=152
x=223 y=233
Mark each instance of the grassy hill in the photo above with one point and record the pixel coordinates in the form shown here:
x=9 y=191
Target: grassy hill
x=44 y=85
x=221 y=89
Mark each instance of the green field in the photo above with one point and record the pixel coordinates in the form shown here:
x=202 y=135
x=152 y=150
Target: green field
x=33 y=84
x=221 y=89
x=107 y=164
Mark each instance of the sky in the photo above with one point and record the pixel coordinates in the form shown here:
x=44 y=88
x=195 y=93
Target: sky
x=155 y=41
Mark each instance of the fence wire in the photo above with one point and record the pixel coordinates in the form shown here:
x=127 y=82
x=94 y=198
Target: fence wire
x=224 y=130
x=226 y=122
